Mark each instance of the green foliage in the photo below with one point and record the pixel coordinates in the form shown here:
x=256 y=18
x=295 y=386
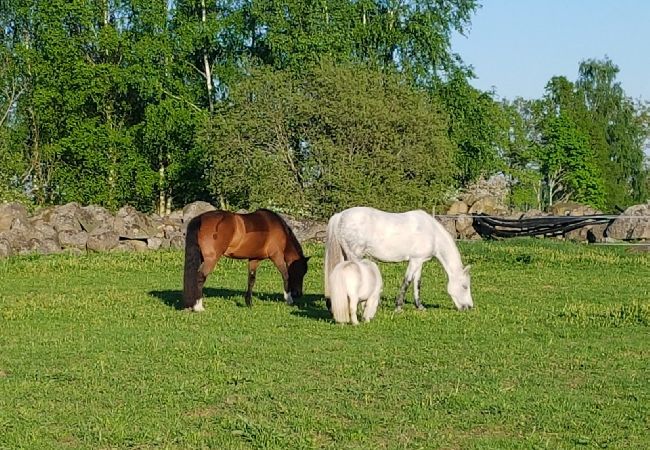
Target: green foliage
x=114 y=102
x=565 y=159
x=554 y=355
x=335 y=137
x=478 y=125
x=617 y=132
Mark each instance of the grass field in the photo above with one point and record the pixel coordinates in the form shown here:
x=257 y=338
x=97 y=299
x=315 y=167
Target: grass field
x=95 y=354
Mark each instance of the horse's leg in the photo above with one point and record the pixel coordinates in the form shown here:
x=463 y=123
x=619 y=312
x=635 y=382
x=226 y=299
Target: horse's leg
x=416 y=286
x=252 y=272
x=213 y=251
x=353 y=302
x=413 y=268
x=399 y=301
x=278 y=260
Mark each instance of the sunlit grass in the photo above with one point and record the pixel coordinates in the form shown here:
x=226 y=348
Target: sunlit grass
x=95 y=354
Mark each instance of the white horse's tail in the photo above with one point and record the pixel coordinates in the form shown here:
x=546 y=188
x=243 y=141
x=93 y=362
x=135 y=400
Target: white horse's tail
x=340 y=306
x=333 y=250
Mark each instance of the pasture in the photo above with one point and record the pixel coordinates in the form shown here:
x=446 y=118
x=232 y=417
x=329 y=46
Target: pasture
x=95 y=354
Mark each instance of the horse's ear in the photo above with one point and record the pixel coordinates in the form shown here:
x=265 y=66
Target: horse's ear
x=307 y=258
x=469 y=266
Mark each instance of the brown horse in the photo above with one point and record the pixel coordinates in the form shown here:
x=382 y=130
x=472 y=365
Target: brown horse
x=256 y=236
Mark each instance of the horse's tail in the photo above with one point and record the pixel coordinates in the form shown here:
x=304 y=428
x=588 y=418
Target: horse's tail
x=193 y=260
x=333 y=250
x=340 y=306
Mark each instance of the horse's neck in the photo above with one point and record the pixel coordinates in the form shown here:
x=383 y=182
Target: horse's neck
x=292 y=253
x=446 y=251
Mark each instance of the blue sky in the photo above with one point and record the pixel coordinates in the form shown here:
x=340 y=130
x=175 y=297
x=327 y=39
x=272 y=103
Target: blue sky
x=516 y=46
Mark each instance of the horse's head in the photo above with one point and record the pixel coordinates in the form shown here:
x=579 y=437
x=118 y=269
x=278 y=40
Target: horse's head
x=460 y=290
x=297 y=271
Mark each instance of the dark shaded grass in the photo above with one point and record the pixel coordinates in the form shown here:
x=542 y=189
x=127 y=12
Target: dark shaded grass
x=95 y=353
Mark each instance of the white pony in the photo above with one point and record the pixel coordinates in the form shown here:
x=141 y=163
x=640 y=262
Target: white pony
x=413 y=236
x=351 y=282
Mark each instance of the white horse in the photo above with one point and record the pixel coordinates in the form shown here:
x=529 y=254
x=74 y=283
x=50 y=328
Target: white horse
x=351 y=282
x=413 y=236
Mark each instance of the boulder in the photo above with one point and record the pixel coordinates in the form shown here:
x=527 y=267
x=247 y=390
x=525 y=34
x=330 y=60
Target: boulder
x=156 y=243
x=177 y=241
x=490 y=206
x=94 y=217
x=131 y=245
x=73 y=239
x=132 y=224
x=43 y=246
x=588 y=233
x=9 y=212
x=572 y=209
x=449 y=223
x=194 y=209
x=42 y=230
x=533 y=213
x=17 y=241
x=64 y=218
x=5 y=248
x=458 y=207
x=102 y=240
x=633 y=224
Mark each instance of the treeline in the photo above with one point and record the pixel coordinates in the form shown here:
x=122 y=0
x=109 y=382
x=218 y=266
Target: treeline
x=301 y=106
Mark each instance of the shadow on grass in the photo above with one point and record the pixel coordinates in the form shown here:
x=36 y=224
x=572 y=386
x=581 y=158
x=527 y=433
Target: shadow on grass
x=174 y=298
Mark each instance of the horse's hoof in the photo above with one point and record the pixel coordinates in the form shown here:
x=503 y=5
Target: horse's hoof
x=198 y=306
x=420 y=308
x=398 y=309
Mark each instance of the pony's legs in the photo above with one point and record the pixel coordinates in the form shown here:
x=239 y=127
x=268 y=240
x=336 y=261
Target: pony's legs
x=353 y=302
x=371 y=307
x=278 y=260
x=252 y=272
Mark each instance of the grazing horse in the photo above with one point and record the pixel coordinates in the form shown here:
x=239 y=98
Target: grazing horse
x=256 y=236
x=350 y=282
x=413 y=236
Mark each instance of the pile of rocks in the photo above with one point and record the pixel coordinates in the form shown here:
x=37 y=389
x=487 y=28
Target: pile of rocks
x=632 y=225
x=75 y=228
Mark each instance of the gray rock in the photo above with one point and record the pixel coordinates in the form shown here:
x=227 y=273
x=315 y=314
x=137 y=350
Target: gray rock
x=132 y=224
x=65 y=218
x=94 y=217
x=102 y=240
x=73 y=239
x=633 y=224
x=9 y=212
x=458 y=207
x=449 y=223
x=194 y=209
x=5 y=249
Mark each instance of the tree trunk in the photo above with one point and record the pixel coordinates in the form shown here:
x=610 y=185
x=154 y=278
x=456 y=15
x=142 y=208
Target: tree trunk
x=162 y=202
x=206 y=61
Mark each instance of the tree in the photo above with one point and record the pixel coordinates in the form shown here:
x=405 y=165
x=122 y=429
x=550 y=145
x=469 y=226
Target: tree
x=617 y=132
x=336 y=136
x=478 y=125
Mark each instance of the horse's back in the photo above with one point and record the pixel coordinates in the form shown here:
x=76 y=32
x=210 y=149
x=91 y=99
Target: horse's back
x=387 y=236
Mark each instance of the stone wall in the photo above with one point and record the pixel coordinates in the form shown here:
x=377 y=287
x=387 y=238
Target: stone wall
x=75 y=228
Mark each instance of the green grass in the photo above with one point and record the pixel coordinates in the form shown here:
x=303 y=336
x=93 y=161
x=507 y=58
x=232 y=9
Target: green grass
x=94 y=354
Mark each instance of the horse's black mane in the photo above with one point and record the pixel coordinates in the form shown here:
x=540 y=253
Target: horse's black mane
x=287 y=229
